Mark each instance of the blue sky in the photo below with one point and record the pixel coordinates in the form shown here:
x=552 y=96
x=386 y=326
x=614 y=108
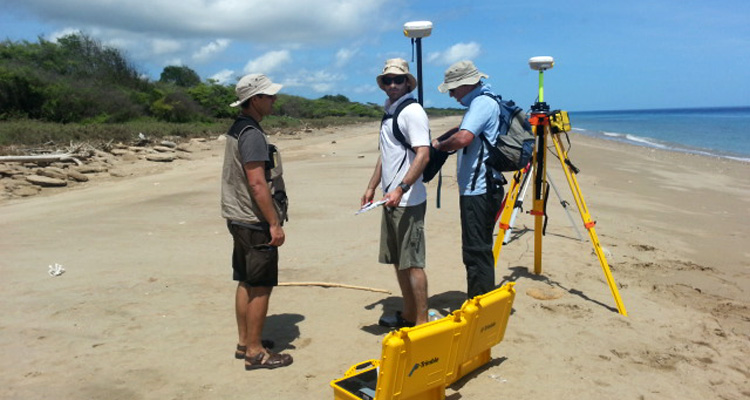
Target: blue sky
x=608 y=54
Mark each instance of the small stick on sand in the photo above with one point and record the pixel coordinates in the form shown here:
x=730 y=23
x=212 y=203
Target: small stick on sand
x=338 y=285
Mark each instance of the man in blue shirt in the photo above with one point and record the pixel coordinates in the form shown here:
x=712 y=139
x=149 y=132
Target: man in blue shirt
x=480 y=188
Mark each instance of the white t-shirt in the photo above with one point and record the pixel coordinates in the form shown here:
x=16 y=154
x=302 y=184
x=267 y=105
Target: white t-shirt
x=395 y=158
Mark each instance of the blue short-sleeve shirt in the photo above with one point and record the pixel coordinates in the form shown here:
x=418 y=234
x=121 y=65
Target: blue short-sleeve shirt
x=482 y=118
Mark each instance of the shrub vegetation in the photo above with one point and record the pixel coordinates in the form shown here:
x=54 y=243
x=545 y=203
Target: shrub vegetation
x=78 y=89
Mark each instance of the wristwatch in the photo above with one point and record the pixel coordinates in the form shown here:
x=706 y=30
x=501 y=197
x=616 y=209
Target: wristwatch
x=404 y=187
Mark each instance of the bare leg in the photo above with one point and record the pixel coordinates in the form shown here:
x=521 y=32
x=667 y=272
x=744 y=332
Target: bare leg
x=251 y=307
x=257 y=309
x=241 y=299
x=413 y=283
x=418 y=280
x=404 y=282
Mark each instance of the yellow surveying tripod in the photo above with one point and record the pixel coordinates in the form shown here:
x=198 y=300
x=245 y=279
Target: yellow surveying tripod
x=546 y=124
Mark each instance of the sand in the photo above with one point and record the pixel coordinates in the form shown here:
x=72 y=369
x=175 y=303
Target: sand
x=145 y=307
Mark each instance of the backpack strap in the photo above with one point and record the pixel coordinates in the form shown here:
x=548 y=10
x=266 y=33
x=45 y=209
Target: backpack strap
x=396 y=130
x=479 y=167
x=485 y=141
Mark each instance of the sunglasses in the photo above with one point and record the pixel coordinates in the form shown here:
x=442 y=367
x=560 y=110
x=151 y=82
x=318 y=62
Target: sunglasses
x=263 y=96
x=399 y=80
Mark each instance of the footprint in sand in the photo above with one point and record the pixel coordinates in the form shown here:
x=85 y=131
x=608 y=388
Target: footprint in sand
x=545 y=293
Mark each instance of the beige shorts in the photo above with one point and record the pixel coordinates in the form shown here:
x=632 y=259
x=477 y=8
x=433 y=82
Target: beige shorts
x=402 y=236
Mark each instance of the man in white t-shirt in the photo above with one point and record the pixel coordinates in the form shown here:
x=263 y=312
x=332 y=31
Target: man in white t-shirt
x=404 y=153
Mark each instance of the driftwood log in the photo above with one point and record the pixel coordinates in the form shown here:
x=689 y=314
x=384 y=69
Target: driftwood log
x=44 y=158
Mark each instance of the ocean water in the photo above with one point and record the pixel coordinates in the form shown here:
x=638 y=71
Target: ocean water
x=721 y=132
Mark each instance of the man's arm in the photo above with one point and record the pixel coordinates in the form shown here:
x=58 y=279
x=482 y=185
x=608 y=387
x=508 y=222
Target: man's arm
x=414 y=173
x=374 y=181
x=446 y=135
x=256 y=178
x=454 y=139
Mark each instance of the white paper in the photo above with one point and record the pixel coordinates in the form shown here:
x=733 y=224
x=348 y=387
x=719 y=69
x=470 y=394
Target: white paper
x=369 y=206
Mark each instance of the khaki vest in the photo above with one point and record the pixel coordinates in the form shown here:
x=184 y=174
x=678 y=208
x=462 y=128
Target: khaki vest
x=236 y=202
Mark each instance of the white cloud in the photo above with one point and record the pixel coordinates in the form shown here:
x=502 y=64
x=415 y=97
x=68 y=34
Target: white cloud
x=279 y=21
x=154 y=34
x=208 y=51
x=173 y=62
x=366 y=89
x=223 y=77
x=268 y=62
x=344 y=55
x=54 y=36
x=318 y=81
x=165 y=46
x=457 y=52
x=322 y=87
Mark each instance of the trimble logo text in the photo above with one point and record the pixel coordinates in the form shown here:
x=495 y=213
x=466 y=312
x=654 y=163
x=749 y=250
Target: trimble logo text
x=486 y=327
x=423 y=364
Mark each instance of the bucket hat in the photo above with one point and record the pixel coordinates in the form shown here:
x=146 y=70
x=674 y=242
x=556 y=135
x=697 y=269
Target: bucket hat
x=397 y=66
x=459 y=74
x=253 y=84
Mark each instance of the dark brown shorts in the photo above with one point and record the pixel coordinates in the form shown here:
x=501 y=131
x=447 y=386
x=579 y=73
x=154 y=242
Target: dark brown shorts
x=253 y=260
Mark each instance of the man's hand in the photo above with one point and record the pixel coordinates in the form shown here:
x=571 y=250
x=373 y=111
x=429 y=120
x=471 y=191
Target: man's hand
x=256 y=179
x=367 y=197
x=277 y=236
x=393 y=198
x=453 y=140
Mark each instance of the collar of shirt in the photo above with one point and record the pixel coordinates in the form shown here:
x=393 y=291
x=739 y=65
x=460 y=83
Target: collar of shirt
x=466 y=100
x=389 y=107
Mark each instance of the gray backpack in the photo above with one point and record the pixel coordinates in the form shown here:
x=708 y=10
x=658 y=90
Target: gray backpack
x=515 y=142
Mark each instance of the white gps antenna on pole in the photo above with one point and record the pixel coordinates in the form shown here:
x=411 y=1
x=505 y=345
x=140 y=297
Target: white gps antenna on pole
x=541 y=64
x=416 y=30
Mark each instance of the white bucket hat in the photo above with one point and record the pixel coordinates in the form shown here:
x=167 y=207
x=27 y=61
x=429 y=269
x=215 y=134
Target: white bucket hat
x=459 y=74
x=253 y=84
x=397 y=66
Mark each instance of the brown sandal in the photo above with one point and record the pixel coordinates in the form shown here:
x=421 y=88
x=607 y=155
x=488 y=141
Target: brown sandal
x=268 y=360
x=241 y=350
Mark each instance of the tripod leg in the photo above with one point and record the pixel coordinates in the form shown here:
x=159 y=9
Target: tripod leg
x=510 y=201
x=540 y=129
x=564 y=205
x=519 y=204
x=587 y=222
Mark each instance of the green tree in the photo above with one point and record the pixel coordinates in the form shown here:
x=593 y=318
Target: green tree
x=214 y=98
x=179 y=75
x=72 y=80
x=339 y=98
x=177 y=106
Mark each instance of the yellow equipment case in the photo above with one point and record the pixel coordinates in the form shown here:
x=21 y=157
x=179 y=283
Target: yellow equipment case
x=419 y=362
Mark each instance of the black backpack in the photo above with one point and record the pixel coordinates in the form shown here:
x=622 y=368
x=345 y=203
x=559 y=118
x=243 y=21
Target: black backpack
x=515 y=142
x=437 y=157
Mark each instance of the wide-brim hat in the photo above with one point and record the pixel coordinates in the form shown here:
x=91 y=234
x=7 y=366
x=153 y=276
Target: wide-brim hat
x=459 y=74
x=253 y=84
x=397 y=66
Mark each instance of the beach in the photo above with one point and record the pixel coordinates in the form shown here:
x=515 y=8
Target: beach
x=145 y=307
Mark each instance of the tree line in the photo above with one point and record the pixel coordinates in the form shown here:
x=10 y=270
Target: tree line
x=78 y=80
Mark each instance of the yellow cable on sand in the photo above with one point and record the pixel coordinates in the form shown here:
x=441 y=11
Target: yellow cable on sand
x=338 y=285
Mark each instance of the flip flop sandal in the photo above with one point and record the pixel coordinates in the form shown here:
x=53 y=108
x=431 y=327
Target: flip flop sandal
x=241 y=350
x=273 y=360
